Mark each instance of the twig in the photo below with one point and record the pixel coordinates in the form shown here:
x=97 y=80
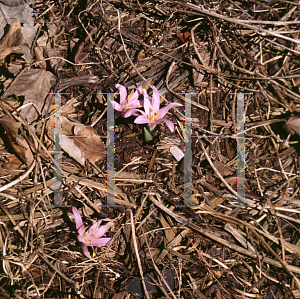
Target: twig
x=137 y=254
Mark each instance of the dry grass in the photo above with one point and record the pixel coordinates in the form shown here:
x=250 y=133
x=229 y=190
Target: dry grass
x=215 y=248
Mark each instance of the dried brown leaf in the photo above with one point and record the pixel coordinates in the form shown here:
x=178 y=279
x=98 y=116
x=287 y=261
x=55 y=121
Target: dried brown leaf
x=11 y=40
x=293 y=125
x=16 y=140
x=46 y=52
x=198 y=74
x=86 y=143
x=13 y=37
x=224 y=171
x=92 y=147
x=33 y=85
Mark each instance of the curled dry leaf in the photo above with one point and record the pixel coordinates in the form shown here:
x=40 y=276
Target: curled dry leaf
x=16 y=140
x=46 y=52
x=10 y=166
x=198 y=74
x=86 y=143
x=13 y=37
x=184 y=36
x=11 y=40
x=223 y=170
x=91 y=146
x=40 y=57
x=293 y=125
x=33 y=85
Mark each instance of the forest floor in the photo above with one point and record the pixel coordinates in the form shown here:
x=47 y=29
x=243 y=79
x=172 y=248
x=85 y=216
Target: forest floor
x=209 y=209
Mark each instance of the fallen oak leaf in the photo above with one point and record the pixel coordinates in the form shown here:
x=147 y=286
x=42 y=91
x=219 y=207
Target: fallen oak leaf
x=91 y=146
x=79 y=142
x=13 y=37
x=11 y=41
x=16 y=140
x=33 y=84
x=46 y=52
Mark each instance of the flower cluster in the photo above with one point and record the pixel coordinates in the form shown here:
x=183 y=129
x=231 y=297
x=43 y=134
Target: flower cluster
x=151 y=115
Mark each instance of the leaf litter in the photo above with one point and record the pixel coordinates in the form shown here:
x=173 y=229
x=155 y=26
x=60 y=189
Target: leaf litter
x=186 y=238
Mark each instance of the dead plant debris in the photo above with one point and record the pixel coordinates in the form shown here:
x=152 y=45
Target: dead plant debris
x=193 y=213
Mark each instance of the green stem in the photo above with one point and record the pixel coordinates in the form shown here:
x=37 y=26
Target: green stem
x=148 y=133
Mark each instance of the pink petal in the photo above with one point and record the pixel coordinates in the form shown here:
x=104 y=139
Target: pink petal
x=123 y=93
x=132 y=112
x=168 y=123
x=100 y=242
x=117 y=106
x=134 y=98
x=78 y=221
x=155 y=99
x=142 y=119
x=99 y=232
x=81 y=239
x=152 y=126
x=94 y=228
x=86 y=251
x=147 y=104
x=163 y=111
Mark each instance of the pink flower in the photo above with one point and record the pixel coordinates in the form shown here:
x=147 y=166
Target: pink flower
x=91 y=237
x=152 y=114
x=127 y=103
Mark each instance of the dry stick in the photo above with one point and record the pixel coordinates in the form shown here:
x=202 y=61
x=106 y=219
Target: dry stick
x=100 y=263
x=130 y=61
x=36 y=140
x=194 y=42
x=279 y=159
x=63 y=276
x=137 y=254
x=291 y=93
x=281 y=261
x=8 y=236
x=243 y=70
x=284 y=264
x=275 y=191
x=87 y=199
x=151 y=164
x=206 y=68
x=161 y=276
x=11 y=219
x=176 y=94
x=287 y=91
x=235 y=247
x=138 y=212
x=126 y=53
x=19 y=179
x=244 y=23
x=214 y=276
x=210 y=89
x=220 y=176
